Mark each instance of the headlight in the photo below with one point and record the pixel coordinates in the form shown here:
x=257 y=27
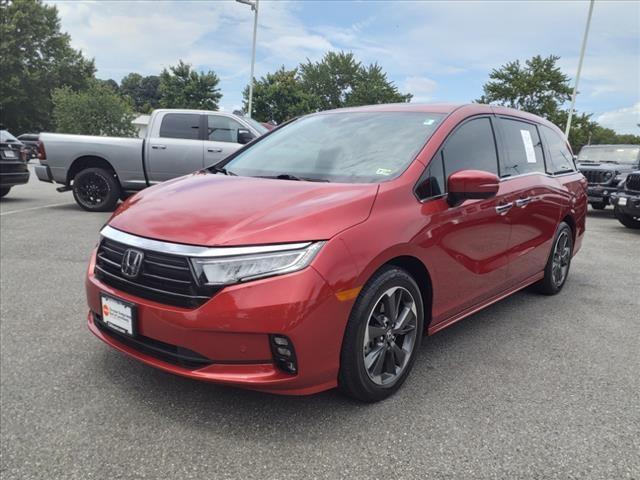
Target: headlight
x=241 y=268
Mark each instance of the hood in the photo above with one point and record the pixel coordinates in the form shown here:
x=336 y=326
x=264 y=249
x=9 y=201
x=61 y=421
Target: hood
x=605 y=167
x=209 y=210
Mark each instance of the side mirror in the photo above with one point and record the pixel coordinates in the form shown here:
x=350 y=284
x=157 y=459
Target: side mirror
x=244 y=136
x=471 y=185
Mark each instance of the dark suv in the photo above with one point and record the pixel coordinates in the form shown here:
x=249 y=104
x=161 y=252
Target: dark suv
x=626 y=201
x=604 y=167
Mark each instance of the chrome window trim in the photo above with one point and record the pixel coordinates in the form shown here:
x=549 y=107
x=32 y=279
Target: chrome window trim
x=194 y=250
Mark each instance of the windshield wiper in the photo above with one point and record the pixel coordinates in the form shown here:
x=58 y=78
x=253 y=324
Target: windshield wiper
x=288 y=176
x=224 y=171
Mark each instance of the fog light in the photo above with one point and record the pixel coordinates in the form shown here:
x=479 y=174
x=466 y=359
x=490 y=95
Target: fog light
x=284 y=355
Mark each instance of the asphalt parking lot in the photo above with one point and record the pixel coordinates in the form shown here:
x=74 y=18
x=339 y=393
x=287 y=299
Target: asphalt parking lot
x=532 y=387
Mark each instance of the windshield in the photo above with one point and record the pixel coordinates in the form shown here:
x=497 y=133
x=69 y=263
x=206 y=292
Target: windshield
x=6 y=137
x=609 y=153
x=261 y=129
x=350 y=147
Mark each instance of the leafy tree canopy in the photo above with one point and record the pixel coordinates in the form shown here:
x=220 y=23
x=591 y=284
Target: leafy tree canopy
x=182 y=87
x=540 y=87
x=279 y=96
x=96 y=110
x=143 y=92
x=35 y=58
x=337 y=80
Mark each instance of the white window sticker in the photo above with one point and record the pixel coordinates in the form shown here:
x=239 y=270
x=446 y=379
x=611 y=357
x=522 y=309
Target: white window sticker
x=384 y=171
x=528 y=146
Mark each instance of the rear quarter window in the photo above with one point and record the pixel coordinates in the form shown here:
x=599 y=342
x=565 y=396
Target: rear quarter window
x=560 y=158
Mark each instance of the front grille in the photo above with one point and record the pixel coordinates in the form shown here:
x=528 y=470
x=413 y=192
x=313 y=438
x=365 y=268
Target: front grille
x=166 y=352
x=633 y=182
x=162 y=278
x=598 y=176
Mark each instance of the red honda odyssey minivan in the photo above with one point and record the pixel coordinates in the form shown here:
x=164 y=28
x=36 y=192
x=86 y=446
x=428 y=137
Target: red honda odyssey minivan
x=320 y=254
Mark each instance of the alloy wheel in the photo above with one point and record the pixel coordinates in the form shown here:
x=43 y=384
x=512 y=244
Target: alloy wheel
x=561 y=259
x=390 y=336
x=92 y=189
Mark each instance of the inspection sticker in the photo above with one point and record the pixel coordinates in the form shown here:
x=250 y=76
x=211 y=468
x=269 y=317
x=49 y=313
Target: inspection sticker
x=528 y=146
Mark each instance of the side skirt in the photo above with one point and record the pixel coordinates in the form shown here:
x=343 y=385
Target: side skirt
x=476 y=308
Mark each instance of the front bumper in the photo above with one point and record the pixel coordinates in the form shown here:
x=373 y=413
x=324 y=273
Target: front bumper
x=631 y=203
x=600 y=193
x=232 y=331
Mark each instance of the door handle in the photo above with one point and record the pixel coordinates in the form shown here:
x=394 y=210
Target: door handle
x=159 y=147
x=214 y=150
x=504 y=208
x=523 y=202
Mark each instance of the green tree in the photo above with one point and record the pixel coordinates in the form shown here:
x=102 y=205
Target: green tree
x=538 y=87
x=339 y=80
x=182 y=87
x=96 y=110
x=279 y=96
x=144 y=92
x=372 y=87
x=35 y=58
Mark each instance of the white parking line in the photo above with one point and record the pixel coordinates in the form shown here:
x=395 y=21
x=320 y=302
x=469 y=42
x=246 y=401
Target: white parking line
x=10 y=212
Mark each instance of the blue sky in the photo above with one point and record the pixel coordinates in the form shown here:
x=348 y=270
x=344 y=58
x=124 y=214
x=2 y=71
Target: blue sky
x=439 y=51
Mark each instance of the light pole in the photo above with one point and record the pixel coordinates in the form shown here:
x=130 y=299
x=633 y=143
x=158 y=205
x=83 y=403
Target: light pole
x=575 y=86
x=254 y=6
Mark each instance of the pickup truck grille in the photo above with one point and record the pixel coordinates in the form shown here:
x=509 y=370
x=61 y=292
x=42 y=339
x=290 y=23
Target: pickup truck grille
x=598 y=176
x=162 y=278
x=633 y=182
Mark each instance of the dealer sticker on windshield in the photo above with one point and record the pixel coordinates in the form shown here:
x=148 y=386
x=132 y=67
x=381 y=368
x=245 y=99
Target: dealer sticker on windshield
x=384 y=171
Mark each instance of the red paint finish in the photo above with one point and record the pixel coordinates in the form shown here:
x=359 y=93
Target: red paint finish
x=473 y=256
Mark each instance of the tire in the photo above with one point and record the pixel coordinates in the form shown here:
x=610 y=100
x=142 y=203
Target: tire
x=599 y=205
x=96 y=190
x=4 y=191
x=626 y=219
x=560 y=252
x=392 y=354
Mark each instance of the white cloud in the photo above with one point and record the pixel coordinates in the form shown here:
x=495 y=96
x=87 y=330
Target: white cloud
x=422 y=88
x=622 y=120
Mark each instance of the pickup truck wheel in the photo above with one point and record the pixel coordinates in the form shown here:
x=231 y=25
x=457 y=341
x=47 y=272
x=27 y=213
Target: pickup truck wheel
x=4 y=191
x=96 y=190
x=626 y=219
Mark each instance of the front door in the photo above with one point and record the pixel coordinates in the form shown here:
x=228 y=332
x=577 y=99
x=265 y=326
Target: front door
x=221 y=139
x=467 y=244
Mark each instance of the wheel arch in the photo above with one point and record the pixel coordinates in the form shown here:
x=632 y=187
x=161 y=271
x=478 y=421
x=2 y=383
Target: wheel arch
x=88 y=161
x=417 y=269
x=569 y=220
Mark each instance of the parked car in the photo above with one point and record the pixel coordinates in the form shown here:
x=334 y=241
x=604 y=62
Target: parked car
x=320 y=254
x=102 y=170
x=626 y=201
x=32 y=142
x=13 y=163
x=605 y=166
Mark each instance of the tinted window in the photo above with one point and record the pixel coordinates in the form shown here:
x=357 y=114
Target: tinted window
x=560 y=160
x=222 y=129
x=349 y=147
x=609 y=153
x=471 y=147
x=523 y=149
x=432 y=181
x=180 y=125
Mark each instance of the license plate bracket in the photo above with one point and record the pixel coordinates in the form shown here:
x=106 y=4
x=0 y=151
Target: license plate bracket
x=119 y=315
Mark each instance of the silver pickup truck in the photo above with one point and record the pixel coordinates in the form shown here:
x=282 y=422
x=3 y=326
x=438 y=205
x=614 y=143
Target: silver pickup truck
x=102 y=170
